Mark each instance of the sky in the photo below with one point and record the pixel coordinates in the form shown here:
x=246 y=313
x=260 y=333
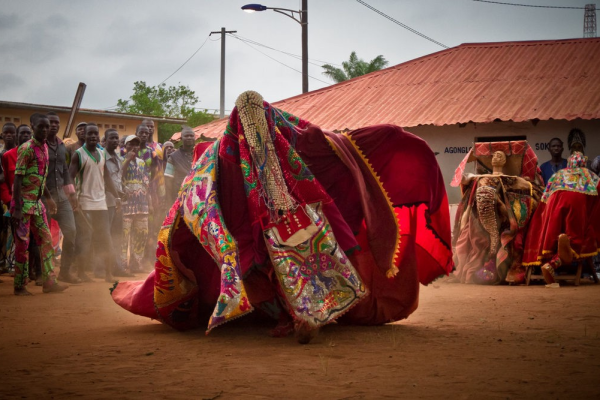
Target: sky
x=48 y=47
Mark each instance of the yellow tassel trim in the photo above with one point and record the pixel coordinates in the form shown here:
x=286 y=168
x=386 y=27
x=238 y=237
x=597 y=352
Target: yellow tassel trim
x=393 y=270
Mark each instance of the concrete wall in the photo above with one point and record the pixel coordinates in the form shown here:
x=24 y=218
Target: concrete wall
x=453 y=142
x=125 y=126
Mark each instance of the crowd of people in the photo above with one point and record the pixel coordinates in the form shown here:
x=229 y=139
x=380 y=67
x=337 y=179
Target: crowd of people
x=96 y=193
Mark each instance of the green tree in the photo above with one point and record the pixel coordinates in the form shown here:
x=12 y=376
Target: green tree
x=163 y=101
x=354 y=67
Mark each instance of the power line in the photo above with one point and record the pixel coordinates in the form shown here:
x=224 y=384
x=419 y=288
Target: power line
x=274 y=59
x=402 y=25
x=281 y=51
x=186 y=61
x=529 y=5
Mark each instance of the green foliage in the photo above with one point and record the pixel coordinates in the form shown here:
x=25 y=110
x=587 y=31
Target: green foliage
x=354 y=67
x=163 y=101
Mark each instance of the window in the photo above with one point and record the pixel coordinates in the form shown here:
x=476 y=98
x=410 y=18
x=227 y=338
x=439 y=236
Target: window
x=114 y=126
x=122 y=127
x=500 y=138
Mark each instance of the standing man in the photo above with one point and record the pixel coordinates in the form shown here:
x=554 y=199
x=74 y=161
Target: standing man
x=62 y=190
x=179 y=164
x=157 y=185
x=88 y=169
x=168 y=149
x=28 y=212
x=136 y=207
x=80 y=133
x=114 y=163
x=556 y=163
x=9 y=133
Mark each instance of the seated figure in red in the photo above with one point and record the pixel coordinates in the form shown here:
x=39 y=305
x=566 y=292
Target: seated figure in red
x=566 y=225
x=305 y=225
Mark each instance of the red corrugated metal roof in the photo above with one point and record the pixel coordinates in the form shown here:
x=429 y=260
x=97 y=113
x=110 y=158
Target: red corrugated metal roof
x=473 y=82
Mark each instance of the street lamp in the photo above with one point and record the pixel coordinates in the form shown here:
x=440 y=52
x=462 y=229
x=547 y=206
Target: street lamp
x=302 y=19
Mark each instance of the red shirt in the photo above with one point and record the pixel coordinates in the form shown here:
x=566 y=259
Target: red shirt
x=9 y=162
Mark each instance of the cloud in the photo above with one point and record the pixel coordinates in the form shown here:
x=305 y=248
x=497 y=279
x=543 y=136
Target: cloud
x=10 y=81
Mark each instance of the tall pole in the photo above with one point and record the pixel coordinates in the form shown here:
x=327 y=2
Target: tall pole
x=304 y=24
x=222 y=98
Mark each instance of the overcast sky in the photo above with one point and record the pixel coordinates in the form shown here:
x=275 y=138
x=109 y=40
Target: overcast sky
x=48 y=47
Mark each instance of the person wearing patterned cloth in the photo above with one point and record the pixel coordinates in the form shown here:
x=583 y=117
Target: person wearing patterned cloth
x=254 y=227
x=151 y=153
x=135 y=182
x=566 y=225
x=27 y=211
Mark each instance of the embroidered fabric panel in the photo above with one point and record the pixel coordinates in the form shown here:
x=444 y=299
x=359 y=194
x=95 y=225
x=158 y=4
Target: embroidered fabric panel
x=202 y=215
x=316 y=277
x=574 y=178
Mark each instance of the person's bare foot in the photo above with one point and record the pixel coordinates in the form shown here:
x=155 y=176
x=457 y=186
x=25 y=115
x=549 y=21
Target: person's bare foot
x=304 y=333
x=548 y=273
x=564 y=249
x=22 y=292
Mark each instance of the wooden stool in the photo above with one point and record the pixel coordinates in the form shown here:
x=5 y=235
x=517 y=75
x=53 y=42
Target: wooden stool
x=583 y=265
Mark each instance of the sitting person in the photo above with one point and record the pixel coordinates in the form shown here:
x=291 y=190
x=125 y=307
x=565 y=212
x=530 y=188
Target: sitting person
x=563 y=227
x=490 y=225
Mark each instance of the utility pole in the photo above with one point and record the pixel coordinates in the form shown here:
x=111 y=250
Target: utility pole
x=589 y=21
x=304 y=24
x=222 y=105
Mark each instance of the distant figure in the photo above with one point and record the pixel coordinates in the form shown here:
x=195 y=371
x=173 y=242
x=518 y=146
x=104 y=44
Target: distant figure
x=179 y=164
x=168 y=149
x=135 y=181
x=556 y=163
x=114 y=165
x=71 y=147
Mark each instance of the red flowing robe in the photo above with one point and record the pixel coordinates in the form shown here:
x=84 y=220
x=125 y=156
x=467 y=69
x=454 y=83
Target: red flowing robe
x=388 y=208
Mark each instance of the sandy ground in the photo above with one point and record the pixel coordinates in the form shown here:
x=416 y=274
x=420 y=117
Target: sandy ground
x=464 y=342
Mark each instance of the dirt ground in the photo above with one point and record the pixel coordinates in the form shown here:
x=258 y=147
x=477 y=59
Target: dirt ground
x=464 y=342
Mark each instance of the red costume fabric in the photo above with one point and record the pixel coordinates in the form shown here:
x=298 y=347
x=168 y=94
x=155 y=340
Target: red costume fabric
x=380 y=189
x=569 y=205
x=9 y=163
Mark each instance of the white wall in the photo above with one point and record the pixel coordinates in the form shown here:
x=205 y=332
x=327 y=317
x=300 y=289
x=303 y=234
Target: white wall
x=453 y=142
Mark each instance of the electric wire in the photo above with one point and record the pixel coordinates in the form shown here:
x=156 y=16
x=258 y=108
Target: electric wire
x=281 y=51
x=274 y=59
x=186 y=61
x=402 y=25
x=529 y=5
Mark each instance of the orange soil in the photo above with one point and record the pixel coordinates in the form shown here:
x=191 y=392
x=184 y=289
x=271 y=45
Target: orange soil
x=464 y=342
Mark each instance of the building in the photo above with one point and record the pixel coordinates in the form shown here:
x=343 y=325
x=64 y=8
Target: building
x=125 y=124
x=533 y=90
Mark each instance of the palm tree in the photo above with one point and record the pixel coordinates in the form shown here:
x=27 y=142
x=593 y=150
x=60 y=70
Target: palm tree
x=354 y=67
